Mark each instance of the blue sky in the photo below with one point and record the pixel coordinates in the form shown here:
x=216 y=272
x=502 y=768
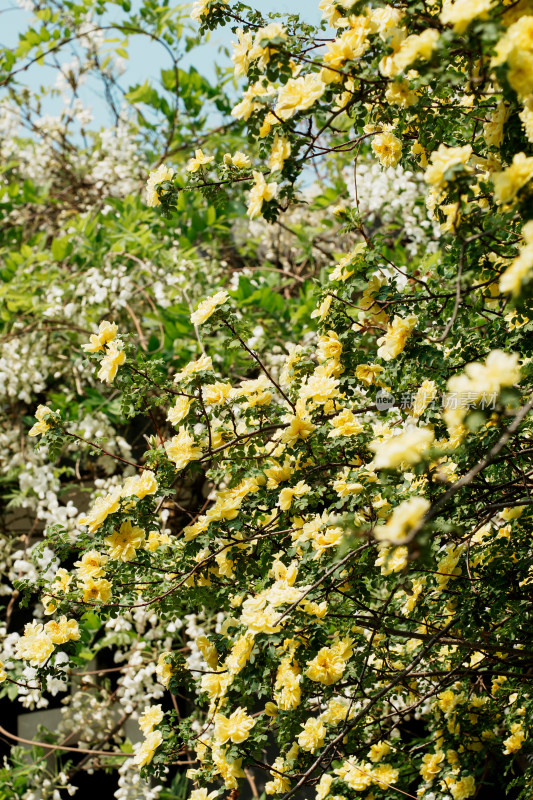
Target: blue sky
x=146 y=58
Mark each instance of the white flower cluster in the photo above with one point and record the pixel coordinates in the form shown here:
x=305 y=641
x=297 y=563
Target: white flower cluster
x=392 y=195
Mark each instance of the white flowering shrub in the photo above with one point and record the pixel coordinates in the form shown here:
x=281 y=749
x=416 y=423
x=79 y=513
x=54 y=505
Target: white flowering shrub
x=307 y=544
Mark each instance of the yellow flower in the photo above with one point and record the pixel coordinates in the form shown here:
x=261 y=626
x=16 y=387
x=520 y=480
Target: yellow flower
x=164 y=670
x=388 y=148
x=3 y=673
x=443 y=159
x=63 y=630
x=103 y=506
x=99 y=590
x=198 y=161
x=106 y=333
x=260 y=192
x=407 y=447
x=322 y=310
x=287 y=691
x=367 y=373
x=151 y=716
x=182 y=449
x=140 y=485
x=287 y=495
x=463 y=788
x=230 y=771
x=240 y=654
x=357 y=778
x=281 y=150
x=379 y=751
x=145 y=752
x=208 y=306
x=403 y=519
x=432 y=763
x=298 y=94
x=312 y=736
x=159 y=175
x=425 y=394
x=91 y=565
x=391 y=560
x=241 y=53
x=409 y=50
x=35 y=646
x=239 y=160
x=510 y=181
x=327 y=666
x=279 y=784
x=319 y=388
x=400 y=94
x=110 y=363
x=345 y=424
x=124 y=543
x=461 y=13
x=394 y=341
x=202 y=364
x=514 y=742
x=41 y=426
x=236 y=727
x=216 y=394
x=522 y=267
x=200 y=8
x=179 y=411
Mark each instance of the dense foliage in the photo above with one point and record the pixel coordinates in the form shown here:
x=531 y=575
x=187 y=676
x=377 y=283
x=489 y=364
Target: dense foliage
x=293 y=374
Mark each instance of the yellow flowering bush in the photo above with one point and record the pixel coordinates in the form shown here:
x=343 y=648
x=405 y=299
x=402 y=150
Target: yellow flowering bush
x=357 y=521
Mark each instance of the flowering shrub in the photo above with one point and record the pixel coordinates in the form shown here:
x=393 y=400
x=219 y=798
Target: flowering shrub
x=360 y=541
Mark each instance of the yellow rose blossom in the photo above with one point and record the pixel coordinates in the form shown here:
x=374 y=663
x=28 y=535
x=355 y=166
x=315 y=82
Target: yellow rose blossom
x=414 y=47
x=287 y=688
x=146 y=751
x=281 y=150
x=35 y=646
x=151 y=716
x=327 y=666
x=3 y=673
x=124 y=543
x=407 y=447
x=460 y=13
x=400 y=94
x=164 y=670
x=200 y=8
x=367 y=373
x=510 y=181
x=103 y=506
x=91 y=565
x=106 y=333
x=199 y=160
x=323 y=309
x=345 y=424
x=260 y=192
x=391 y=561
x=394 y=341
x=424 y=396
x=114 y=358
x=229 y=771
x=140 y=485
x=161 y=174
x=521 y=269
x=202 y=364
x=279 y=783
x=179 y=410
x=241 y=53
x=207 y=307
x=312 y=736
x=41 y=426
x=463 y=788
x=357 y=777
x=388 y=148
x=514 y=742
x=235 y=728
x=239 y=160
x=216 y=393
x=403 y=519
x=298 y=94
x=379 y=751
x=287 y=495
x=96 y=590
x=182 y=449
x=443 y=159
x=62 y=630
